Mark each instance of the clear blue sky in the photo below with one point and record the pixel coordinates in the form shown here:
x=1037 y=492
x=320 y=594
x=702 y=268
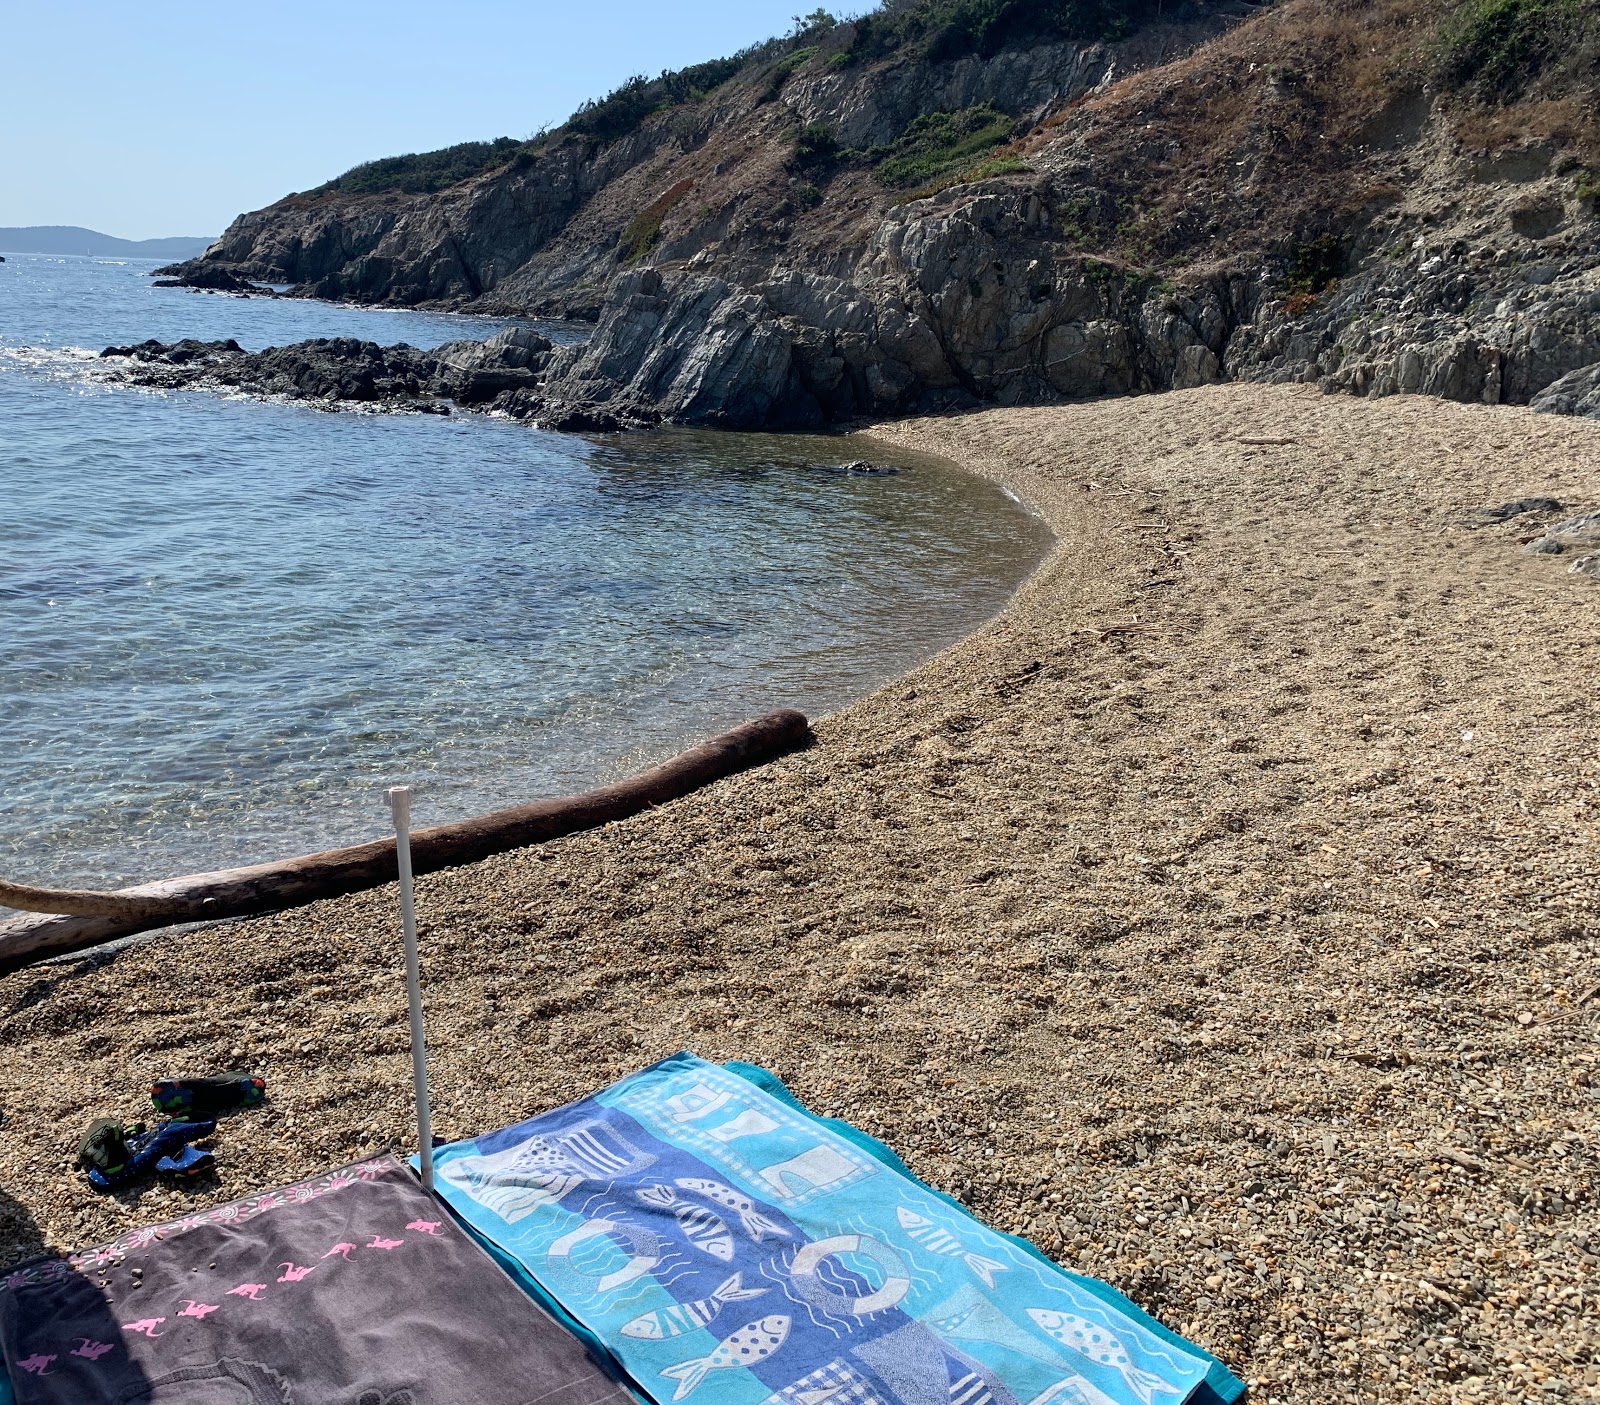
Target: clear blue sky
x=170 y=117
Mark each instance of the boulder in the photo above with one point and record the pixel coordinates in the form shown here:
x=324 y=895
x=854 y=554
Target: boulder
x=476 y=372
x=1576 y=393
x=1580 y=531
x=1518 y=507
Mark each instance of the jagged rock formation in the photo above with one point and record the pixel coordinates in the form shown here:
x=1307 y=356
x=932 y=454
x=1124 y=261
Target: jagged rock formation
x=949 y=307
x=211 y=278
x=1576 y=393
x=547 y=232
x=336 y=370
x=1301 y=197
x=328 y=369
x=1455 y=322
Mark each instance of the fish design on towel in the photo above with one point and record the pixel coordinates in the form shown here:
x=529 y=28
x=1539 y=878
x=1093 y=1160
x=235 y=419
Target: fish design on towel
x=1102 y=1346
x=752 y=1343
x=701 y=1227
x=756 y=1225
x=940 y=1241
x=969 y=1316
x=592 y=1150
x=1075 y=1390
x=674 y=1321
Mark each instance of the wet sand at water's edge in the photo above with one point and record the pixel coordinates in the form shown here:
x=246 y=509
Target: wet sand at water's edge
x=1223 y=916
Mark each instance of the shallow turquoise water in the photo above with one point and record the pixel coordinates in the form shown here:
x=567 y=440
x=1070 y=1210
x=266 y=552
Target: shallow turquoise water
x=226 y=625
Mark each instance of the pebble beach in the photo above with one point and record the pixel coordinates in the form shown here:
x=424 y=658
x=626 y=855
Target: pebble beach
x=1223 y=916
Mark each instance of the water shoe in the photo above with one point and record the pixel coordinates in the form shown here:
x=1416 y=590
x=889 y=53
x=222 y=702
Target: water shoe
x=114 y=1155
x=206 y=1097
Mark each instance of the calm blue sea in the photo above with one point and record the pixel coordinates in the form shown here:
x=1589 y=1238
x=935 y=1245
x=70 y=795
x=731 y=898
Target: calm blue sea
x=227 y=625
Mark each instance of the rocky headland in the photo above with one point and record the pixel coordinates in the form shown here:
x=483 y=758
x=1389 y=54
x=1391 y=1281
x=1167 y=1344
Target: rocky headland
x=874 y=219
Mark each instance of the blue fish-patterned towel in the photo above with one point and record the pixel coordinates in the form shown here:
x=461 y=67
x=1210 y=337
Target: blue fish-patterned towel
x=727 y=1246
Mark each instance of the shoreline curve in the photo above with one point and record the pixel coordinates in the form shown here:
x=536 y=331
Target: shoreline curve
x=1220 y=915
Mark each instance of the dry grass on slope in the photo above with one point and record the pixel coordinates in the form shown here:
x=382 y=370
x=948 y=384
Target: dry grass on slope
x=1252 y=141
x=1277 y=132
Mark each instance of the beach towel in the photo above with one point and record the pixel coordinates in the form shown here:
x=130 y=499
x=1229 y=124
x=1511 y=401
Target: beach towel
x=357 y=1288
x=728 y=1246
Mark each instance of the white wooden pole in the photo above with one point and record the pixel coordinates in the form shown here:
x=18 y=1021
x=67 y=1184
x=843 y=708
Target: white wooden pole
x=400 y=808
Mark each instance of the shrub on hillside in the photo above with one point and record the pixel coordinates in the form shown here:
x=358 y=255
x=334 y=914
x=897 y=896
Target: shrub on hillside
x=1317 y=265
x=1498 y=49
x=622 y=110
x=422 y=173
x=626 y=109
x=645 y=228
x=952 y=29
x=939 y=144
x=815 y=147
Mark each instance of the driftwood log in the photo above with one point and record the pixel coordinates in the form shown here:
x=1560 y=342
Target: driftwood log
x=83 y=919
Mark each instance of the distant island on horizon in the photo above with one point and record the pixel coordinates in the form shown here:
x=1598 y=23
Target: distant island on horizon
x=72 y=239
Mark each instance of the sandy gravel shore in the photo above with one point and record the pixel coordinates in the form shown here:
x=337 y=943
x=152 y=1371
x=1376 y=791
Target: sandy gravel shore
x=1223 y=916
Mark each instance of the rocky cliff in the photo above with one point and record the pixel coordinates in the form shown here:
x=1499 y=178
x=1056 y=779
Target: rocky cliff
x=1369 y=196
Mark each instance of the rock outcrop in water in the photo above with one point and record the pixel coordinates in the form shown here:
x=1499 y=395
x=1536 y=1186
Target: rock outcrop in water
x=1289 y=201
x=214 y=278
x=334 y=370
x=327 y=369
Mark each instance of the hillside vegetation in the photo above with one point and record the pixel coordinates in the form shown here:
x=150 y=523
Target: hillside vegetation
x=933 y=31
x=1296 y=126
x=1290 y=97
x=940 y=30
x=1500 y=50
x=421 y=173
x=952 y=202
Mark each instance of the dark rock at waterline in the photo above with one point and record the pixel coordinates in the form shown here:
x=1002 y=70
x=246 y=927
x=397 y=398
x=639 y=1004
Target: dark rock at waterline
x=327 y=368
x=868 y=470
x=178 y=353
x=343 y=368
x=479 y=372
x=208 y=277
x=1518 y=507
x=336 y=369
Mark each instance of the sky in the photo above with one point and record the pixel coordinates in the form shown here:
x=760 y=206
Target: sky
x=165 y=118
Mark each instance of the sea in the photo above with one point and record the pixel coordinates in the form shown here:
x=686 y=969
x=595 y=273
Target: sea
x=227 y=625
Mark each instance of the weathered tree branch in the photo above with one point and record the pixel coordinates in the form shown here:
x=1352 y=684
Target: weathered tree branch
x=82 y=919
